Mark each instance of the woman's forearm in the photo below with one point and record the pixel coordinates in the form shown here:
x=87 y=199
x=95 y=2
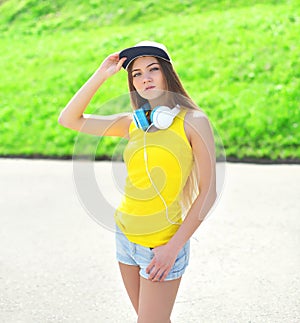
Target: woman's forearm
x=78 y=104
x=194 y=218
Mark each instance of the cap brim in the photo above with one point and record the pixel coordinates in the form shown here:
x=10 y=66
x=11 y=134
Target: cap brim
x=139 y=51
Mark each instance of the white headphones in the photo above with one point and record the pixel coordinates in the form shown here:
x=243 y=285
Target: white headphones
x=161 y=117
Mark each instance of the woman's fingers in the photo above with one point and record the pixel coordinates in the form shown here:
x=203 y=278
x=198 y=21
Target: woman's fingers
x=157 y=273
x=150 y=266
x=161 y=263
x=120 y=63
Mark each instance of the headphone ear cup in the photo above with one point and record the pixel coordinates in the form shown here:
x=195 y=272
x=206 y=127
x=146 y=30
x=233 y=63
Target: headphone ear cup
x=140 y=119
x=162 y=117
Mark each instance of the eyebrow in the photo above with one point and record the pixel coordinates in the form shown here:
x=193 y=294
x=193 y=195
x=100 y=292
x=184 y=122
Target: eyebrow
x=137 y=69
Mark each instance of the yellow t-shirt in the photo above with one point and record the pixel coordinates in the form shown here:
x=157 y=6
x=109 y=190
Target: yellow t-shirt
x=142 y=214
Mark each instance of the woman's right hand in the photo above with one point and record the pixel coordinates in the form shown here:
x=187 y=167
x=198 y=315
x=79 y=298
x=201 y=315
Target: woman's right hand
x=111 y=65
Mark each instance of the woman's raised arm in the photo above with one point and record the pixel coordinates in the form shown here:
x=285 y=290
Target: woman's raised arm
x=73 y=117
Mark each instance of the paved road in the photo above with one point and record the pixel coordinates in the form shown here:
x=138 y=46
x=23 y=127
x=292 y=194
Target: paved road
x=57 y=264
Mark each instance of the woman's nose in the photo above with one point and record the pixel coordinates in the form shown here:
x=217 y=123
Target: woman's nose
x=146 y=78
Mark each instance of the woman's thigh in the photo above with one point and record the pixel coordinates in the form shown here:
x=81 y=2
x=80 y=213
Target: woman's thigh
x=131 y=279
x=156 y=300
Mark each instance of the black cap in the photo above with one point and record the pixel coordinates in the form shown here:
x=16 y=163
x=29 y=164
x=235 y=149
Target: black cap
x=145 y=48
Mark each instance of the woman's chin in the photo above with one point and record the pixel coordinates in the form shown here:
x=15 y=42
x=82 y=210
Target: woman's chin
x=152 y=94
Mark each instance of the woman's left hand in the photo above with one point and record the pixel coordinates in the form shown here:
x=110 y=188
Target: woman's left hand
x=161 y=264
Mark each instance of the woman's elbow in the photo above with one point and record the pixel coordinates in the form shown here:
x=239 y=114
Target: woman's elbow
x=60 y=120
x=63 y=120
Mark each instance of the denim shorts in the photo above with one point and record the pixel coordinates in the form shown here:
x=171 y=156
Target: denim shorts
x=130 y=253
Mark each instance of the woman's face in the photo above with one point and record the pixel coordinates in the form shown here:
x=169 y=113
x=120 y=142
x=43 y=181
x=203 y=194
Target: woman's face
x=148 y=78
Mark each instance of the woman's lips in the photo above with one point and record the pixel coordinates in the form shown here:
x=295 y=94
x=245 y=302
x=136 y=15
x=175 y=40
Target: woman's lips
x=149 y=88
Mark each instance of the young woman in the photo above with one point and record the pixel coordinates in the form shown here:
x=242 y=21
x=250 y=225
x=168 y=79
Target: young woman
x=171 y=183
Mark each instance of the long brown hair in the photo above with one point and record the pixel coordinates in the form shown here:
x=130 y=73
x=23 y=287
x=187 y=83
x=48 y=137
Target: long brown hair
x=176 y=94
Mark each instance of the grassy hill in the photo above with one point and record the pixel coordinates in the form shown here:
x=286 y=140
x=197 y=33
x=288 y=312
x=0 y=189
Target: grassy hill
x=239 y=60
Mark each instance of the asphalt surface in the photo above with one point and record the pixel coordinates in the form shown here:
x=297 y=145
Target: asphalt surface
x=57 y=264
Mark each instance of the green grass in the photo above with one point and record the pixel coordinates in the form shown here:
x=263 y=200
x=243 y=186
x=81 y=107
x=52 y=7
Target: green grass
x=239 y=60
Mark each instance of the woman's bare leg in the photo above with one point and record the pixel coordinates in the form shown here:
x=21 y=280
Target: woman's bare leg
x=131 y=279
x=156 y=300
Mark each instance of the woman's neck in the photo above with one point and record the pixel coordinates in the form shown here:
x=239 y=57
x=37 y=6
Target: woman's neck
x=158 y=102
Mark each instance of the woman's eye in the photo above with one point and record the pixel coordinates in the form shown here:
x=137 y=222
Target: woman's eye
x=152 y=69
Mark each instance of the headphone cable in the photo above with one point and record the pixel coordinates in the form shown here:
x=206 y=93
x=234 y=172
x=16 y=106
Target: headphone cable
x=153 y=184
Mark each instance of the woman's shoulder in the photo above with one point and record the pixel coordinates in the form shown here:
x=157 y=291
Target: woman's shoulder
x=195 y=117
x=195 y=122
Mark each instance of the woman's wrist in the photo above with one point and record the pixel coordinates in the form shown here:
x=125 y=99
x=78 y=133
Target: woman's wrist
x=100 y=75
x=174 y=246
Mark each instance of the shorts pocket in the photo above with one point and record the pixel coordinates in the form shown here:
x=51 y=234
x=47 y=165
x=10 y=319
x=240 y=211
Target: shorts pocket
x=182 y=259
